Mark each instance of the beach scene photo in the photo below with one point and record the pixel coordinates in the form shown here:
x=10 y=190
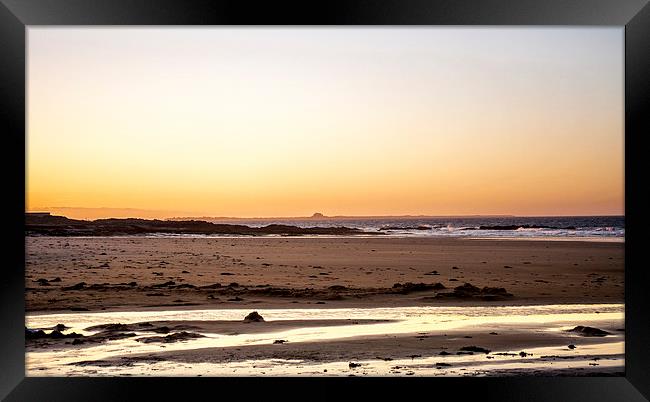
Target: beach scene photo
x=295 y=201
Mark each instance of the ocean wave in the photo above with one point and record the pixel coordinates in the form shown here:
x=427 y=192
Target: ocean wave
x=497 y=227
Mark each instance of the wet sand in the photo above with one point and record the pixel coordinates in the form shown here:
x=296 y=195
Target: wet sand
x=388 y=347
x=425 y=341
x=161 y=273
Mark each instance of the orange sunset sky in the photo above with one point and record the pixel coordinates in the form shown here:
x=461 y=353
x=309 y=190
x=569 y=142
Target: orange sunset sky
x=355 y=121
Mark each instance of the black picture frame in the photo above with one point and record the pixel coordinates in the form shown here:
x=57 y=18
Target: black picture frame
x=17 y=15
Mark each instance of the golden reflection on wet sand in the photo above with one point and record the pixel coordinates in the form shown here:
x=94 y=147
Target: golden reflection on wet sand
x=411 y=320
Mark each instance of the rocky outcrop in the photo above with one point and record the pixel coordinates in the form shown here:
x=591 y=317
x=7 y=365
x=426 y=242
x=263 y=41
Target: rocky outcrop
x=468 y=291
x=62 y=226
x=254 y=317
x=474 y=349
x=409 y=287
x=588 y=331
x=177 y=337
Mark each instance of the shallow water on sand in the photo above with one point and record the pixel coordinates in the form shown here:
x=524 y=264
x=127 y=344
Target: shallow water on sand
x=608 y=354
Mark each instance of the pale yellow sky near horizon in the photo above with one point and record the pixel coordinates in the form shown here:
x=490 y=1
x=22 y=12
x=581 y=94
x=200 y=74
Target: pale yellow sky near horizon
x=359 y=121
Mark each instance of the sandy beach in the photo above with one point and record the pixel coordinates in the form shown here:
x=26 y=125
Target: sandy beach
x=358 y=293
x=134 y=273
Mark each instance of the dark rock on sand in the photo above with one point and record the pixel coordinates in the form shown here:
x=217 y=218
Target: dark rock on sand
x=254 y=317
x=588 y=331
x=185 y=286
x=475 y=349
x=444 y=353
x=177 y=337
x=571 y=346
x=281 y=292
x=109 y=327
x=60 y=327
x=354 y=365
x=213 y=286
x=409 y=287
x=78 y=286
x=279 y=341
x=163 y=285
x=34 y=333
x=55 y=334
x=468 y=290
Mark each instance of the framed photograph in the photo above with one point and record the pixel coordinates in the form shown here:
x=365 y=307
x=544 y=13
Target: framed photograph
x=424 y=194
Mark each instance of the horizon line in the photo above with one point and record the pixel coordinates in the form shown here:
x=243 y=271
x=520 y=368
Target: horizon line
x=314 y=216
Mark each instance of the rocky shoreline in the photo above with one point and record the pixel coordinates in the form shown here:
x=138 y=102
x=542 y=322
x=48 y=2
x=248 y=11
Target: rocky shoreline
x=52 y=225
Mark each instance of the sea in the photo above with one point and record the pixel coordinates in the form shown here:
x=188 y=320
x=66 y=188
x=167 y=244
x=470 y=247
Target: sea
x=605 y=228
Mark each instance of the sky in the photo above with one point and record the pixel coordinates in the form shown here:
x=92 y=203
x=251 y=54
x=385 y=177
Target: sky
x=259 y=122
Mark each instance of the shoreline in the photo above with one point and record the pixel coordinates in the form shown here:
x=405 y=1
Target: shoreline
x=590 y=239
